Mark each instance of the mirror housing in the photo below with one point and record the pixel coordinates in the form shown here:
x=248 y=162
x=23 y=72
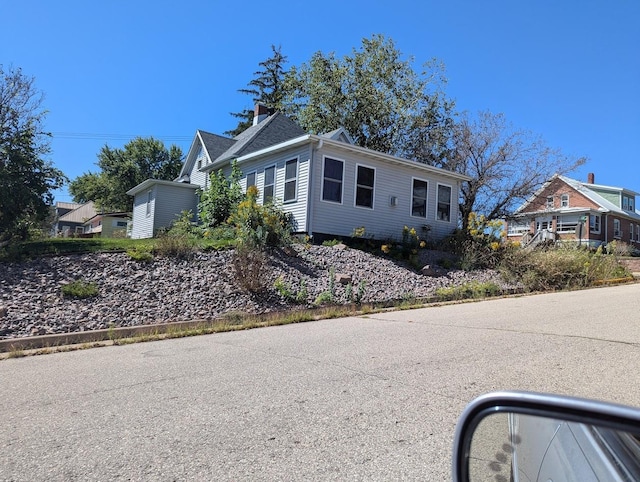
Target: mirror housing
x=555 y=407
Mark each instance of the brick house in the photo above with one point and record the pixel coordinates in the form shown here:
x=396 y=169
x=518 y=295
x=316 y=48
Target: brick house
x=590 y=214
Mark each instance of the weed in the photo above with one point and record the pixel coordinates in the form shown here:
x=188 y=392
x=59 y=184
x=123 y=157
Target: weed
x=473 y=290
x=140 y=254
x=249 y=265
x=331 y=242
x=79 y=289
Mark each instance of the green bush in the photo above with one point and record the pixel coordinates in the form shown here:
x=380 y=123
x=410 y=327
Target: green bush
x=79 y=289
x=560 y=268
x=140 y=254
x=473 y=290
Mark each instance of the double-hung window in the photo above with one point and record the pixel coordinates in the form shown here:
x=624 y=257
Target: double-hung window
x=333 y=173
x=365 y=179
x=419 y=198
x=269 y=184
x=444 y=203
x=251 y=179
x=564 y=201
x=617 y=232
x=594 y=223
x=290 y=180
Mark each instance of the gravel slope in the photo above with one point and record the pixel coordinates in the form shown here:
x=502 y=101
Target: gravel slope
x=167 y=289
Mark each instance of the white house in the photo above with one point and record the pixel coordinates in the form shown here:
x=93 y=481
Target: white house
x=327 y=183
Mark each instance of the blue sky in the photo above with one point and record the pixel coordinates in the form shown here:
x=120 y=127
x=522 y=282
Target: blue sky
x=567 y=70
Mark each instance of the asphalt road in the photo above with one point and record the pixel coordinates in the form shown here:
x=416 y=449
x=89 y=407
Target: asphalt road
x=368 y=398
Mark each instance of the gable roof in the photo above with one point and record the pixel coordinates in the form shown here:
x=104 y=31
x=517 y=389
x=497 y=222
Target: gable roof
x=604 y=204
x=80 y=214
x=273 y=130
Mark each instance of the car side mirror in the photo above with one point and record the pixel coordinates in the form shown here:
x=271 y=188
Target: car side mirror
x=526 y=436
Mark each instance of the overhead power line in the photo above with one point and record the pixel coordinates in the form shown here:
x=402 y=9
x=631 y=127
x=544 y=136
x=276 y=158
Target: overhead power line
x=116 y=137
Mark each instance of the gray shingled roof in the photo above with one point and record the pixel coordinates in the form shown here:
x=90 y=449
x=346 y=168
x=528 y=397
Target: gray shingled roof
x=273 y=130
x=215 y=144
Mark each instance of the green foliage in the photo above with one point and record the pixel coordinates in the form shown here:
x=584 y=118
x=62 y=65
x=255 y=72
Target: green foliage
x=259 y=226
x=480 y=245
x=79 y=289
x=123 y=169
x=140 y=254
x=265 y=88
x=473 y=290
x=181 y=239
x=330 y=242
x=218 y=202
x=560 y=268
x=376 y=95
x=286 y=291
x=27 y=180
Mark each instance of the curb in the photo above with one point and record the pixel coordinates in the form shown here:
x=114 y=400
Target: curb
x=76 y=338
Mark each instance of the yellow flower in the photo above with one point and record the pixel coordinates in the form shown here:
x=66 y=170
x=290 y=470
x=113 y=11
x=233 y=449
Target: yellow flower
x=423 y=244
x=495 y=245
x=385 y=248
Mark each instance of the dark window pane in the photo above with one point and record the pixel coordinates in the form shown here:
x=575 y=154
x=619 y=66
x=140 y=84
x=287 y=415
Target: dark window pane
x=289 y=190
x=365 y=176
x=290 y=169
x=332 y=191
x=251 y=179
x=333 y=169
x=364 y=197
x=269 y=175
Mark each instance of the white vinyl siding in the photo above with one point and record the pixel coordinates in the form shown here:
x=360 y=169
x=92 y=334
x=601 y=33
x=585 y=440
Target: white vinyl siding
x=392 y=181
x=365 y=183
x=419 y=193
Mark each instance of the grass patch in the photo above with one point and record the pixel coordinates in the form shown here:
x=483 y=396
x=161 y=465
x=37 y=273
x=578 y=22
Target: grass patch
x=473 y=290
x=79 y=289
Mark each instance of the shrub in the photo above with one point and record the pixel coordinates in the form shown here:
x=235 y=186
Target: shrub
x=560 y=268
x=79 y=289
x=142 y=255
x=249 y=266
x=220 y=199
x=331 y=242
x=471 y=290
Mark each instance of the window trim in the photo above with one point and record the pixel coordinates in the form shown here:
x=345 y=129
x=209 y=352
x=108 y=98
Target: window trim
x=426 y=198
x=148 y=203
x=324 y=164
x=450 y=220
x=356 y=185
x=265 y=185
x=294 y=180
x=564 y=200
x=246 y=180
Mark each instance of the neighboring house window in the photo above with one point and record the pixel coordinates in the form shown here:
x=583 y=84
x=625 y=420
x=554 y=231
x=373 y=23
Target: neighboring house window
x=365 y=177
x=627 y=203
x=617 y=233
x=149 y=203
x=444 y=203
x=550 y=202
x=517 y=227
x=564 y=200
x=638 y=232
x=290 y=180
x=269 y=184
x=567 y=224
x=631 y=232
x=419 y=198
x=332 y=180
x=251 y=179
x=594 y=223
x=199 y=163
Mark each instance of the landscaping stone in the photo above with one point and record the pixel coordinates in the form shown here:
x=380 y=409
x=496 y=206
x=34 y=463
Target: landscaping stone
x=133 y=293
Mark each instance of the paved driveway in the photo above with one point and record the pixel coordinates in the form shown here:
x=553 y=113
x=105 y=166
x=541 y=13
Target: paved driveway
x=368 y=398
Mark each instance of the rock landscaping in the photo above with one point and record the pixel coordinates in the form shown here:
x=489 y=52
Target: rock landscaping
x=204 y=287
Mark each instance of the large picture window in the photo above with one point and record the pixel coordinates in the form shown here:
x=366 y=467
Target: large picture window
x=290 y=180
x=332 y=180
x=365 y=178
x=419 y=198
x=444 y=203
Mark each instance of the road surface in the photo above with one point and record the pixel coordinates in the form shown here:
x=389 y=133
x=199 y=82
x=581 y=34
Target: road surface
x=374 y=397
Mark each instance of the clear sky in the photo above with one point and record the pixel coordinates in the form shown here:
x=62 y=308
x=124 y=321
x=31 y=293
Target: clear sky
x=111 y=70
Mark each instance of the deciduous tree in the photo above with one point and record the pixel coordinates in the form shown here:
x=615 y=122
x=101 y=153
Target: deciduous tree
x=122 y=169
x=506 y=165
x=27 y=179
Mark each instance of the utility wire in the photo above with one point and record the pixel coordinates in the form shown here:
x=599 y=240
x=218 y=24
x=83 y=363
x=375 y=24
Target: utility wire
x=115 y=137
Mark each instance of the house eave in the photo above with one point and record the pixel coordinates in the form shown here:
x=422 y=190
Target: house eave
x=148 y=183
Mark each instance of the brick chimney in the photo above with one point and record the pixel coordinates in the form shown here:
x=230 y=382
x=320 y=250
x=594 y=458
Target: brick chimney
x=591 y=178
x=260 y=113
